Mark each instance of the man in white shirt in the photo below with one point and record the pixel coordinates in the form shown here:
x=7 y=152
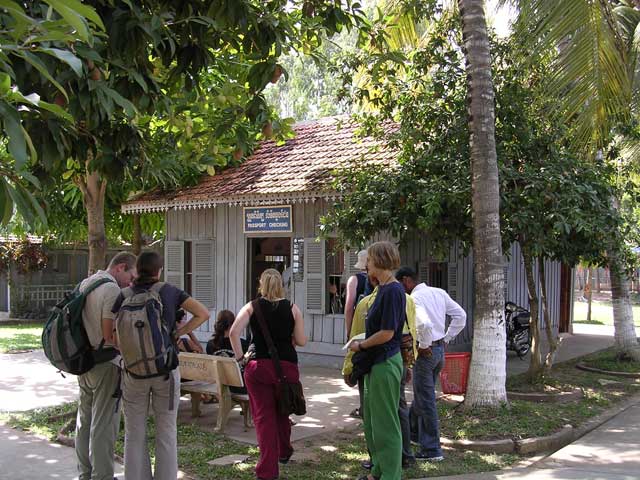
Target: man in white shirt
x=98 y=414
x=437 y=304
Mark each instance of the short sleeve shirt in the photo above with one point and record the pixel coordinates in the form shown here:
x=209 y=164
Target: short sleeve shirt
x=98 y=305
x=172 y=297
x=388 y=312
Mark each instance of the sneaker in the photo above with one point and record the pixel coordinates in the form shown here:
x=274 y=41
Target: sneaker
x=426 y=457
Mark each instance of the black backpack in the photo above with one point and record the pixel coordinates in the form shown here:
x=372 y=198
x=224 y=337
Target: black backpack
x=65 y=339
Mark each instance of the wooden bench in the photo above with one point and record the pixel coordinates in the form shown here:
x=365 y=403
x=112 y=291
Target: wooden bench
x=211 y=375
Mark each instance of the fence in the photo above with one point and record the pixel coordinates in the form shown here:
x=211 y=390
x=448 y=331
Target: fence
x=37 y=299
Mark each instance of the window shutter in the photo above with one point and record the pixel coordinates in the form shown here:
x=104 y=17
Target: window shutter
x=452 y=280
x=505 y=268
x=174 y=263
x=423 y=272
x=203 y=275
x=350 y=259
x=314 y=275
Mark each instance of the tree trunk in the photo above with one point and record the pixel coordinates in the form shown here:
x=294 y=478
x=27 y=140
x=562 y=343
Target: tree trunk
x=137 y=234
x=93 y=189
x=553 y=339
x=588 y=291
x=488 y=366
x=535 y=363
x=624 y=328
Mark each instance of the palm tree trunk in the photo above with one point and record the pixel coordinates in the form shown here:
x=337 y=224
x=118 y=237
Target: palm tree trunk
x=625 y=336
x=626 y=339
x=488 y=366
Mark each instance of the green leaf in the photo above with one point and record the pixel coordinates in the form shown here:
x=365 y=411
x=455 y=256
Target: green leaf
x=15 y=11
x=72 y=17
x=122 y=102
x=17 y=142
x=67 y=57
x=5 y=83
x=80 y=8
x=42 y=68
x=6 y=204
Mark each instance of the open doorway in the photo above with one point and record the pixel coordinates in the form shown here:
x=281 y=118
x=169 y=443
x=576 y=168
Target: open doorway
x=269 y=252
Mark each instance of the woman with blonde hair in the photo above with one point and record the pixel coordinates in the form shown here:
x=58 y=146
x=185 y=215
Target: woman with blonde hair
x=286 y=328
x=385 y=321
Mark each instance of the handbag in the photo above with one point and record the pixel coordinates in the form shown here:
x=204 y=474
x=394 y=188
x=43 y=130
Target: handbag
x=406 y=348
x=289 y=395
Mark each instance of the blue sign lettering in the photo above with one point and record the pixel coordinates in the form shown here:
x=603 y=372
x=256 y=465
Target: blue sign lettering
x=267 y=219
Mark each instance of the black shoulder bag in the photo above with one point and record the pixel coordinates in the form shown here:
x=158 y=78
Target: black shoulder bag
x=290 y=396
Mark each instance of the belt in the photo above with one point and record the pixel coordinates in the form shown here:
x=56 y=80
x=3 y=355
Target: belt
x=426 y=352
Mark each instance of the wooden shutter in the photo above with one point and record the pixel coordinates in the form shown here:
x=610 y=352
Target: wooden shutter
x=350 y=259
x=174 y=263
x=204 y=271
x=423 y=271
x=452 y=280
x=314 y=275
x=505 y=269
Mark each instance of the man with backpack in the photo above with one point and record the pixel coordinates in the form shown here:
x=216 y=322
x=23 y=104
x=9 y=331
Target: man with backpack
x=98 y=413
x=146 y=334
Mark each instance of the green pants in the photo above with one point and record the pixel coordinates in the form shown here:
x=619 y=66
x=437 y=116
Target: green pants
x=381 y=421
x=97 y=422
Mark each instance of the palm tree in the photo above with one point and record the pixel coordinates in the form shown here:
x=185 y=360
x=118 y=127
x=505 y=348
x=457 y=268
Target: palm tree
x=595 y=76
x=487 y=376
x=488 y=368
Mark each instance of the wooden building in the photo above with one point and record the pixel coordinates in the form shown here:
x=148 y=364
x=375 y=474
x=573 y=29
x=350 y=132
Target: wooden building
x=222 y=233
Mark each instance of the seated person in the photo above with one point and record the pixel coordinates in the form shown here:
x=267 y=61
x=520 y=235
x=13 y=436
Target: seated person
x=189 y=342
x=220 y=345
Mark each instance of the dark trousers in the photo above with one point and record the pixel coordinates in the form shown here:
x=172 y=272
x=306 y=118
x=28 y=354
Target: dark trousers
x=272 y=429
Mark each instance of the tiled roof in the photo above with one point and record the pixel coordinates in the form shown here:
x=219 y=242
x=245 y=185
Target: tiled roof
x=296 y=171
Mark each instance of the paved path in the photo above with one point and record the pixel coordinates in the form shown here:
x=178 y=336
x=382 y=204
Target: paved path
x=610 y=452
x=29 y=381
x=26 y=457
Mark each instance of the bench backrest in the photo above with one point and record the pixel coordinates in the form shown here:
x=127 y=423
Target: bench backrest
x=211 y=369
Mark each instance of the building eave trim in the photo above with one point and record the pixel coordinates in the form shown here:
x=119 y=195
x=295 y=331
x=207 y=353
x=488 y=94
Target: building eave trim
x=235 y=200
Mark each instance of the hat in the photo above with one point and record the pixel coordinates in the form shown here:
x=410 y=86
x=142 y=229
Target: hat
x=361 y=264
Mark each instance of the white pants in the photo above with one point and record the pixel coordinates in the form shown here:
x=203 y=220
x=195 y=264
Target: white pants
x=164 y=396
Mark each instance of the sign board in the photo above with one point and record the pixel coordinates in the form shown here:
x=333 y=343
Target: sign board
x=275 y=219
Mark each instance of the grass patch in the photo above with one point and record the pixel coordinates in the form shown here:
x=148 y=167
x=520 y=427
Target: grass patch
x=590 y=322
x=601 y=313
x=611 y=360
x=20 y=337
x=337 y=455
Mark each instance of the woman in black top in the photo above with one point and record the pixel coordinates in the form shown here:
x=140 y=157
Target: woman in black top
x=286 y=326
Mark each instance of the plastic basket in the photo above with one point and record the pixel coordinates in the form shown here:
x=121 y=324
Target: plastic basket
x=453 y=377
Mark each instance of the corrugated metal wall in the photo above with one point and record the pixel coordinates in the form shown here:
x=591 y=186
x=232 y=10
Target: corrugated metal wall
x=415 y=251
x=224 y=225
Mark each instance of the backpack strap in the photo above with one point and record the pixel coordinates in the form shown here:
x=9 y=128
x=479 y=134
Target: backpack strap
x=156 y=287
x=127 y=292
x=95 y=285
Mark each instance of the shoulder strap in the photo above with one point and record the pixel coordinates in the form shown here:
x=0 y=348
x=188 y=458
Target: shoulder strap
x=127 y=292
x=267 y=336
x=96 y=284
x=156 y=287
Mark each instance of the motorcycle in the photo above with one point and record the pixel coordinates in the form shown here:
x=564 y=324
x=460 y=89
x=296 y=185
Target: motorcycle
x=517 y=322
